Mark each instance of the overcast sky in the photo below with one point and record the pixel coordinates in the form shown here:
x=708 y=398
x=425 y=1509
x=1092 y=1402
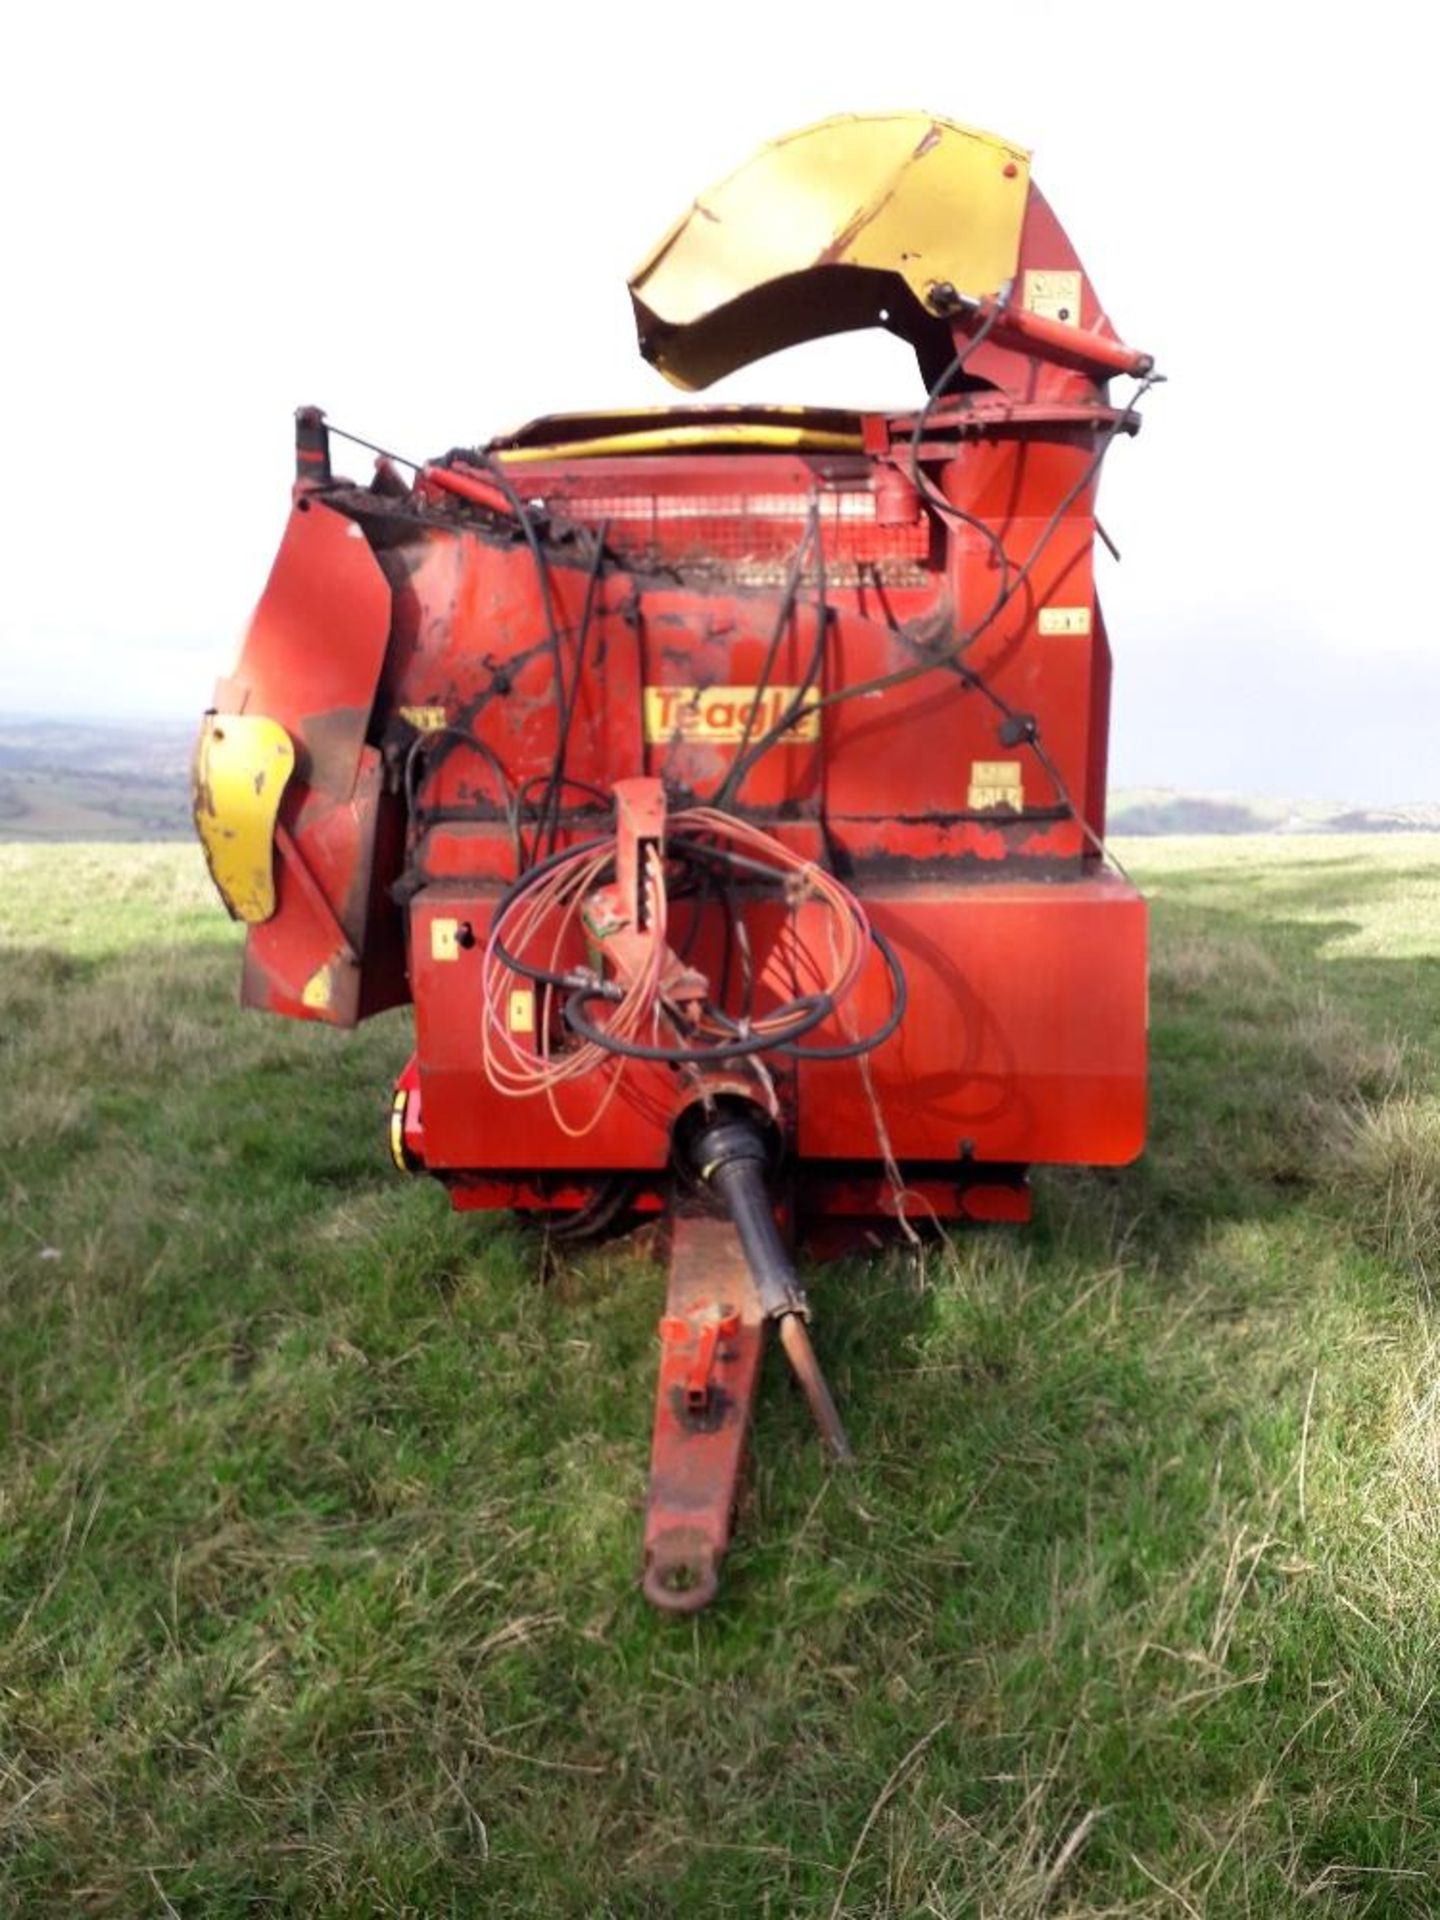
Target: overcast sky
x=422 y=219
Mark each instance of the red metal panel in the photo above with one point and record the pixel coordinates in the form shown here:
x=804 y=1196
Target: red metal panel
x=1092 y=803
x=1024 y=1040
x=311 y=659
x=1025 y=1037
x=468 y=1124
x=471 y=640
x=315 y=646
x=330 y=910
x=692 y=645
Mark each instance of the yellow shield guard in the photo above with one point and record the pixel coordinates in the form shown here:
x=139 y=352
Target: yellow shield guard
x=821 y=231
x=243 y=763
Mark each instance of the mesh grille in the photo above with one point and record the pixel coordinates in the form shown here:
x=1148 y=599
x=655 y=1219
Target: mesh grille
x=752 y=537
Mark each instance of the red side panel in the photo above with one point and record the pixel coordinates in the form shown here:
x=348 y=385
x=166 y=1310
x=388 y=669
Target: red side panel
x=334 y=950
x=1093 y=802
x=315 y=645
x=1025 y=1035
x=468 y=1124
x=1023 y=1042
x=312 y=658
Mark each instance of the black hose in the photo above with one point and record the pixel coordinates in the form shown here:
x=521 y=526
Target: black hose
x=808 y=1011
x=867 y=1042
x=730 y=1155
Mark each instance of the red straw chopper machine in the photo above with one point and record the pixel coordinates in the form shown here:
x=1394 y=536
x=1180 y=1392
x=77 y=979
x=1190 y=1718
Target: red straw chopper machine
x=725 y=785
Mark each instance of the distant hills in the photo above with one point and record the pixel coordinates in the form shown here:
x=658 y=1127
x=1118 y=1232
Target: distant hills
x=1156 y=810
x=86 y=780
x=92 y=780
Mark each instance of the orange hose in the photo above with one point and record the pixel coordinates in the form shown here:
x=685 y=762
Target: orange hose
x=519 y=1066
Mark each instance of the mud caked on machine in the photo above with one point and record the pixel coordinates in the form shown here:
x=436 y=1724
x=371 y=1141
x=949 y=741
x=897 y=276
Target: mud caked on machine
x=725 y=785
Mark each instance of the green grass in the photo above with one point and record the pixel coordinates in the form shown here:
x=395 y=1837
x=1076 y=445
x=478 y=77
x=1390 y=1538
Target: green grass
x=320 y=1512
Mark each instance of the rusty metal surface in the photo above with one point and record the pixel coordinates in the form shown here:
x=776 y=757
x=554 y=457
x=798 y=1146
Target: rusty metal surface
x=698 y=1444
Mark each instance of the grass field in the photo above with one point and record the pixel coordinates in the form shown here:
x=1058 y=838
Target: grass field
x=319 y=1512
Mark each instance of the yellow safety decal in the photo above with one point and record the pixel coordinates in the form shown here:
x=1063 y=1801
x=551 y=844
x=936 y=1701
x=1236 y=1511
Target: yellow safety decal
x=522 y=1010
x=720 y=714
x=995 y=783
x=317 y=989
x=444 y=939
x=243 y=762
x=1064 y=620
x=397 y=1131
x=424 y=719
x=1054 y=294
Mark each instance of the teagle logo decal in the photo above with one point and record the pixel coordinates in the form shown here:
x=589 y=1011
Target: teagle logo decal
x=718 y=714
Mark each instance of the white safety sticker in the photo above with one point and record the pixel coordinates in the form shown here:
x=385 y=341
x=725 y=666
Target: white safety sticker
x=1064 y=620
x=1054 y=294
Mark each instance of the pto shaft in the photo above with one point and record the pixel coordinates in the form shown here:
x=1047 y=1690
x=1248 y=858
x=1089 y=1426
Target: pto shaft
x=730 y=1155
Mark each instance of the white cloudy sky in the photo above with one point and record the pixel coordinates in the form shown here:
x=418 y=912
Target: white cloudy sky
x=421 y=217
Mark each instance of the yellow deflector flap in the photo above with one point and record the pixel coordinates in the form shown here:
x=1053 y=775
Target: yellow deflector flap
x=786 y=248
x=242 y=764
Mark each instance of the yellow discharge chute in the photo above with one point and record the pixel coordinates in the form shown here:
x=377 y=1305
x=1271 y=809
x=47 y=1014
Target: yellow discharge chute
x=849 y=223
